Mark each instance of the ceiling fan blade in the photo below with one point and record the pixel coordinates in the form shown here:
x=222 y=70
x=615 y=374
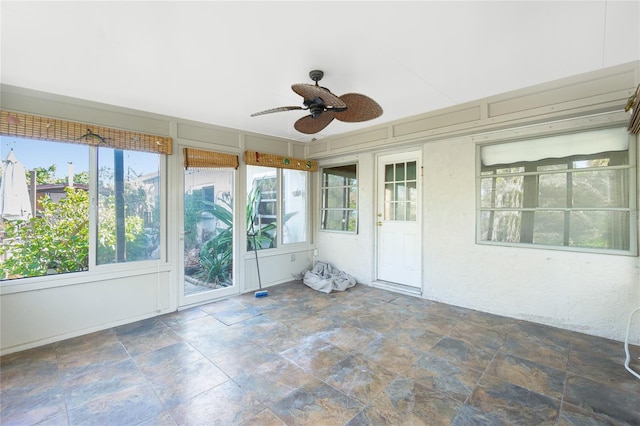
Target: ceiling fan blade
x=278 y=109
x=310 y=91
x=359 y=108
x=310 y=125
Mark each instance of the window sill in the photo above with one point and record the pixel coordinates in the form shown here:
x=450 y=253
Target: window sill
x=101 y=273
x=630 y=253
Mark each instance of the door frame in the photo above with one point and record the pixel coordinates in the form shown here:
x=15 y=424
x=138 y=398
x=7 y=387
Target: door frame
x=213 y=294
x=385 y=158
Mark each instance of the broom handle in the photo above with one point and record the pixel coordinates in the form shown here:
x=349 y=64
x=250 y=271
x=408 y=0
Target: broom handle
x=255 y=249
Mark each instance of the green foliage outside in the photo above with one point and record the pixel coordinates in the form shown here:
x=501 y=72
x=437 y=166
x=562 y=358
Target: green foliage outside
x=216 y=254
x=56 y=241
x=134 y=235
x=260 y=237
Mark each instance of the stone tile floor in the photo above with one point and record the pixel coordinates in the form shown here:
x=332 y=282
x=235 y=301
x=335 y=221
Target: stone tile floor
x=298 y=357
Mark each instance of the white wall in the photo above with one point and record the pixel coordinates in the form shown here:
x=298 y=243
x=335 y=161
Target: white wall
x=585 y=292
x=36 y=317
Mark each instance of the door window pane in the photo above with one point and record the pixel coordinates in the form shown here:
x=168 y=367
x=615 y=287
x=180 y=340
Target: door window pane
x=411 y=170
x=388 y=173
x=208 y=229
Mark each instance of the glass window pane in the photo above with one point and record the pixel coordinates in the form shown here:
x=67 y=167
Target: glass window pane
x=336 y=197
x=412 y=192
x=549 y=228
x=335 y=180
x=501 y=226
x=400 y=192
x=399 y=171
x=552 y=190
x=413 y=211
x=600 y=229
x=388 y=211
x=262 y=206
x=339 y=175
x=128 y=206
x=208 y=229
x=592 y=162
x=388 y=173
x=551 y=167
x=509 y=192
x=389 y=194
x=340 y=220
x=506 y=170
x=56 y=240
x=600 y=188
x=411 y=170
x=294 y=203
x=400 y=211
x=353 y=198
x=487 y=193
x=339 y=198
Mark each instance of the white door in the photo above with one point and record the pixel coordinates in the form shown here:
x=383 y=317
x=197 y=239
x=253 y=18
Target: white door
x=207 y=236
x=398 y=226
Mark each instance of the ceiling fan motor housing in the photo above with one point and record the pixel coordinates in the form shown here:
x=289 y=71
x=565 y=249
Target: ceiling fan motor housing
x=316 y=106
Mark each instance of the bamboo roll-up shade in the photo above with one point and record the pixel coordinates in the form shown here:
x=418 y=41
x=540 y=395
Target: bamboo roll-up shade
x=197 y=158
x=634 y=106
x=51 y=129
x=255 y=158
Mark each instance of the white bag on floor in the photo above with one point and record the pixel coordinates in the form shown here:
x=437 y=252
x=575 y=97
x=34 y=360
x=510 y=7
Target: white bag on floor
x=325 y=278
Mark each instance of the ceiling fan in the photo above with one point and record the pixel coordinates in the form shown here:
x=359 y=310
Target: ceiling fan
x=324 y=106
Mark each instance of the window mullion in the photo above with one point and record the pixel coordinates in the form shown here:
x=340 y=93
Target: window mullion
x=567 y=214
x=93 y=206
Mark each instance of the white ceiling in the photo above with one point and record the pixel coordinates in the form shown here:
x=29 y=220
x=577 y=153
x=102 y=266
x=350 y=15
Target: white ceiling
x=218 y=62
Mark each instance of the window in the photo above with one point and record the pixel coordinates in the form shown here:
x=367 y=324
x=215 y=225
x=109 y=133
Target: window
x=53 y=237
x=128 y=206
x=569 y=191
x=294 y=206
x=276 y=205
x=339 y=209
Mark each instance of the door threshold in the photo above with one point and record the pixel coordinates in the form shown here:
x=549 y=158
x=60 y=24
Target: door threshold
x=398 y=288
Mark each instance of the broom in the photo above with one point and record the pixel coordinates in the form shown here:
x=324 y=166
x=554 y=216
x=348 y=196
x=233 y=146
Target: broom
x=260 y=292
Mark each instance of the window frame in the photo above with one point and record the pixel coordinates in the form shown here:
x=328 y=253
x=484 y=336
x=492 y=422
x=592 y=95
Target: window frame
x=632 y=175
x=95 y=271
x=279 y=184
x=322 y=189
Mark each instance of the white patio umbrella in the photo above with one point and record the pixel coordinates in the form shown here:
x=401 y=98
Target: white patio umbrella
x=14 y=191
